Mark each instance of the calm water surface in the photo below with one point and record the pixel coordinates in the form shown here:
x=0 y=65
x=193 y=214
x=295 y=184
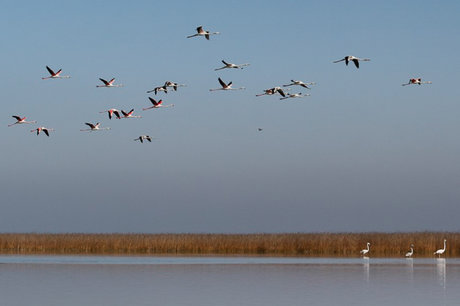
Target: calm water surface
x=221 y=281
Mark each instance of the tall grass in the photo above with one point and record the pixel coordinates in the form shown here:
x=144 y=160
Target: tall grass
x=286 y=244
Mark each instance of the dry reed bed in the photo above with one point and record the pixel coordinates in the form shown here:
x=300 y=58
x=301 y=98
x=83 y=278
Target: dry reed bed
x=287 y=244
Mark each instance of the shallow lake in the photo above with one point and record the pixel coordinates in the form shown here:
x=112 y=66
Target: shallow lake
x=221 y=281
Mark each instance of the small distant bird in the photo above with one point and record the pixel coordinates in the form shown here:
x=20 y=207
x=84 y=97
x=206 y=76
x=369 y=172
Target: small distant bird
x=300 y=83
x=411 y=252
x=129 y=114
x=111 y=112
x=441 y=251
x=55 y=75
x=230 y=65
x=109 y=83
x=157 y=104
x=158 y=89
x=44 y=129
x=297 y=95
x=201 y=32
x=355 y=60
x=94 y=127
x=260 y=129
x=365 y=251
x=226 y=86
x=21 y=121
x=174 y=85
x=272 y=91
x=417 y=81
x=142 y=137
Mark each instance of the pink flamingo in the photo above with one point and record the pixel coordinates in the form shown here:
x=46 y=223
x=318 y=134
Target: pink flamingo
x=109 y=83
x=44 y=129
x=111 y=112
x=417 y=81
x=55 y=75
x=21 y=121
x=94 y=127
x=226 y=86
x=129 y=114
x=157 y=104
x=201 y=32
x=352 y=58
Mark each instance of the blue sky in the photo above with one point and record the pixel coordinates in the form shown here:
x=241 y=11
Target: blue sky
x=362 y=153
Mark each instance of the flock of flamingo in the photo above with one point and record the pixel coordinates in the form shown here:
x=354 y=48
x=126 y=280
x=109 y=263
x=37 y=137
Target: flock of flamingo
x=409 y=254
x=168 y=85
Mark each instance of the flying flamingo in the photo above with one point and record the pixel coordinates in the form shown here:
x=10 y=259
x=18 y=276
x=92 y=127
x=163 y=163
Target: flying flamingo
x=417 y=81
x=226 y=86
x=55 y=75
x=201 y=32
x=297 y=95
x=272 y=91
x=411 y=252
x=94 y=127
x=21 y=121
x=142 y=137
x=355 y=60
x=230 y=65
x=44 y=129
x=111 y=112
x=109 y=83
x=159 y=88
x=129 y=114
x=157 y=104
x=300 y=83
x=441 y=251
x=174 y=85
x=365 y=251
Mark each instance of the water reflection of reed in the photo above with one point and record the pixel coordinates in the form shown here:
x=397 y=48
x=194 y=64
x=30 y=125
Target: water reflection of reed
x=289 y=244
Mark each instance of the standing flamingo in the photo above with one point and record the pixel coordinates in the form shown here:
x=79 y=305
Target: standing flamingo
x=230 y=65
x=441 y=251
x=201 y=32
x=129 y=114
x=355 y=60
x=417 y=81
x=365 y=251
x=109 y=83
x=142 y=137
x=300 y=83
x=21 y=121
x=411 y=252
x=111 y=112
x=226 y=86
x=157 y=104
x=94 y=127
x=44 y=129
x=55 y=75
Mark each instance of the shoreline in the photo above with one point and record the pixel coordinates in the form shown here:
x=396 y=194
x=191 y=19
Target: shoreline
x=258 y=244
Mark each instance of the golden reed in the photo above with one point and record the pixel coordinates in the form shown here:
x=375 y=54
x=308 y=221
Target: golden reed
x=285 y=244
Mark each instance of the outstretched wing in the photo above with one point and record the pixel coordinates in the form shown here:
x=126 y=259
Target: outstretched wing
x=50 y=70
x=222 y=83
x=17 y=118
x=104 y=81
x=281 y=92
x=154 y=102
x=225 y=63
x=90 y=125
x=356 y=63
x=46 y=132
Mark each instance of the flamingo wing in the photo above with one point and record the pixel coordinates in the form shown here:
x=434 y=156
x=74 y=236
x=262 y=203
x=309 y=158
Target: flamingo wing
x=50 y=70
x=222 y=83
x=90 y=125
x=111 y=81
x=281 y=92
x=154 y=102
x=46 y=132
x=200 y=29
x=17 y=118
x=117 y=114
x=148 y=138
x=356 y=62
x=104 y=81
x=207 y=36
x=225 y=63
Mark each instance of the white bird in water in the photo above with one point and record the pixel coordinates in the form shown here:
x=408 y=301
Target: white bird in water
x=226 y=86
x=365 y=251
x=157 y=104
x=142 y=137
x=159 y=88
x=201 y=32
x=411 y=252
x=441 y=251
x=272 y=91
x=94 y=127
x=355 y=60
x=109 y=83
x=44 y=129
x=297 y=95
x=129 y=114
x=174 y=85
x=417 y=81
x=230 y=65
x=111 y=112
x=55 y=75
x=21 y=121
x=300 y=83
